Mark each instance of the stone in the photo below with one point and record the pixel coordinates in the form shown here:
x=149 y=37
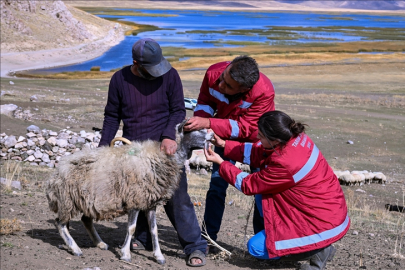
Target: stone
x=19 y=145
x=34 y=129
x=52 y=141
x=10 y=141
x=53 y=133
x=38 y=154
x=21 y=139
x=33 y=98
x=30 y=158
x=45 y=158
x=83 y=133
x=11 y=82
x=47 y=146
x=63 y=135
x=31 y=135
x=8 y=109
x=61 y=143
x=30 y=142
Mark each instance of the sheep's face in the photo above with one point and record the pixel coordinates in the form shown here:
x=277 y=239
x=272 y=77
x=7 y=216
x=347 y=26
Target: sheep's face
x=188 y=141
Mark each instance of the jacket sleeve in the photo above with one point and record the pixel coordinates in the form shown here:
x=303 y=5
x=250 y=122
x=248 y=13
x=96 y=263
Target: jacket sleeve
x=112 y=114
x=176 y=106
x=245 y=126
x=248 y=153
x=272 y=179
x=205 y=107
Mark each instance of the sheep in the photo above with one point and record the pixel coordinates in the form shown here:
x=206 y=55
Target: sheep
x=347 y=179
x=108 y=182
x=380 y=178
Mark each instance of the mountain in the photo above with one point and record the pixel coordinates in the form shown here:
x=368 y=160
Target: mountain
x=357 y=4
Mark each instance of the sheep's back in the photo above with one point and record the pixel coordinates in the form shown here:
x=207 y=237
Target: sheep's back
x=106 y=182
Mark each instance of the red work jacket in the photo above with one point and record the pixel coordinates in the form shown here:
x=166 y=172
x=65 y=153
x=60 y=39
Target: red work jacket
x=304 y=207
x=235 y=120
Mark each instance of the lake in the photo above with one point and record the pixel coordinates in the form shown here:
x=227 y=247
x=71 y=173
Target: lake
x=212 y=29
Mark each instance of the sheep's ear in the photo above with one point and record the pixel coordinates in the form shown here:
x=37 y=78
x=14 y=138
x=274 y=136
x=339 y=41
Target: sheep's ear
x=180 y=126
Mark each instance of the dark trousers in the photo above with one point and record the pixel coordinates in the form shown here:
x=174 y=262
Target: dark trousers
x=215 y=202
x=181 y=213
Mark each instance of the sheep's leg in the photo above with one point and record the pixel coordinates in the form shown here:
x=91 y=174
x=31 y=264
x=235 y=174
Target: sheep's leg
x=64 y=232
x=157 y=253
x=88 y=224
x=132 y=217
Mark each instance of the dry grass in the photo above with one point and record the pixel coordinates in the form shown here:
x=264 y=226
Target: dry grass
x=8 y=226
x=10 y=170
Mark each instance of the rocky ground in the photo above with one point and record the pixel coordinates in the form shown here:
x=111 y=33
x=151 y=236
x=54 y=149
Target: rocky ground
x=368 y=245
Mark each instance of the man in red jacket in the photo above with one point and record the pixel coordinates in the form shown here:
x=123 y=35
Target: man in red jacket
x=232 y=97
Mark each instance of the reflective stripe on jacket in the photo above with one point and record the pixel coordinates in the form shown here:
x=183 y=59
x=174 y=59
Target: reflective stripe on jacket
x=235 y=120
x=304 y=207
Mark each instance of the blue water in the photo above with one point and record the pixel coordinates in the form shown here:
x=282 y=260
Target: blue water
x=175 y=31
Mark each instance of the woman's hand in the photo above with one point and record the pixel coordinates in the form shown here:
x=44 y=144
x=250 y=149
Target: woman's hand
x=217 y=141
x=212 y=156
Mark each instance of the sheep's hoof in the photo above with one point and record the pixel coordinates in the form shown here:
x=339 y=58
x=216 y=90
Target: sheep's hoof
x=78 y=254
x=102 y=246
x=163 y=261
x=125 y=259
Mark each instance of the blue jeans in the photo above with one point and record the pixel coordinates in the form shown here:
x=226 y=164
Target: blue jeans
x=181 y=213
x=257 y=244
x=215 y=202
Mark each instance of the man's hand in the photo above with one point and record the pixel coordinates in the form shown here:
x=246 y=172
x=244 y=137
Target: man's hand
x=212 y=156
x=197 y=123
x=168 y=146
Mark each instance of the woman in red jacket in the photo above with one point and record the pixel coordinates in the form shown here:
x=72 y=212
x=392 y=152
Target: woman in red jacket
x=303 y=205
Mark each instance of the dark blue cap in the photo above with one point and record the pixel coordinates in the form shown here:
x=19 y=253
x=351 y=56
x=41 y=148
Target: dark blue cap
x=148 y=53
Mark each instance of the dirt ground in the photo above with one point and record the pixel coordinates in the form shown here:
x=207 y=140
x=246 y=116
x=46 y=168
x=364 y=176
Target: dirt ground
x=39 y=246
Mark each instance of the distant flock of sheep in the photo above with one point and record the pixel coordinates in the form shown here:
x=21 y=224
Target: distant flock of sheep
x=360 y=177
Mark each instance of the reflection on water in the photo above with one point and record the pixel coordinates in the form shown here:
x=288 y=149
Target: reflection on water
x=211 y=29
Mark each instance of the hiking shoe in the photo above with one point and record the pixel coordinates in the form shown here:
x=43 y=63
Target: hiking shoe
x=318 y=260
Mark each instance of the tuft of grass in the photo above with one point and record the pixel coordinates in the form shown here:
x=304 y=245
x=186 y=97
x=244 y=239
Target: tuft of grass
x=95 y=68
x=10 y=169
x=8 y=226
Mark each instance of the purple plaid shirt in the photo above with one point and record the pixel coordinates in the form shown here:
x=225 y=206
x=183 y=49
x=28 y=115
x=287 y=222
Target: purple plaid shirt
x=148 y=109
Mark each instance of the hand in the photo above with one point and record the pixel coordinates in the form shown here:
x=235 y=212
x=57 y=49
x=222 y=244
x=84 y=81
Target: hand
x=217 y=141
x=210 y=155
x=197 y=123
x=168 y=146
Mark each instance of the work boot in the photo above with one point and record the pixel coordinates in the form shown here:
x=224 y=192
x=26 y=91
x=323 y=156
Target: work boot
x=319 y=259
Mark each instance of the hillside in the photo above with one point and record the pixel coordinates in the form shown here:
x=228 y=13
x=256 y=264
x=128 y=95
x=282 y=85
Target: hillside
x=37 y=34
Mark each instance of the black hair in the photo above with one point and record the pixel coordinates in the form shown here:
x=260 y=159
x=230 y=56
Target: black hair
x=244 y=71
x=278 y=126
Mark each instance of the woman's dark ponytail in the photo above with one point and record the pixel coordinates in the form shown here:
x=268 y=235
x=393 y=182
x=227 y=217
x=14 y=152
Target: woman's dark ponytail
x=296 y=128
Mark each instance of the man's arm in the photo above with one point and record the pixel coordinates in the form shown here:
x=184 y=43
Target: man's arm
x=245 y=126
x=112 y=114
x=176 y=106
x=205 y=107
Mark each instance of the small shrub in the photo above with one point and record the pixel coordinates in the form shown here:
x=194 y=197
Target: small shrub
x=8 y=226
x=95 y=68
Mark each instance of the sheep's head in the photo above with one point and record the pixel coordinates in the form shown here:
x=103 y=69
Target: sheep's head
x=188 y=141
